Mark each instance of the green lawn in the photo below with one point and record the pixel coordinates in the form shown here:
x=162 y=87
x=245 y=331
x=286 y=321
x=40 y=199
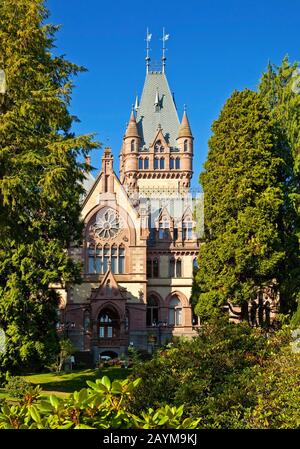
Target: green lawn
x=64 y=383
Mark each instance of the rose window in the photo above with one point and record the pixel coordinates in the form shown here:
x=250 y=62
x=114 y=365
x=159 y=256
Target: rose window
x=108 y=224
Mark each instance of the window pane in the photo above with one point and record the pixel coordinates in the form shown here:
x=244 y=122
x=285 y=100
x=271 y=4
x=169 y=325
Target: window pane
x=91 y=265
x=101 y=331
x=172 y=317
x=155 y=164
x=178 y=268
x=146 y=163
x=177 y=163
x=121 y=264
x=114 y=264
x=105 y=264
x=149 y=268
x=162 y=163
x=140 y=164
x=98 y=265
x=109 y=332
x=178 y=313
x=155 y=268
x=171 y=164
x=172 y=268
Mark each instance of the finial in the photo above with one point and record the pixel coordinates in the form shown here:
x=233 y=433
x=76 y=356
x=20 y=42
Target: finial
x=148 y=39
x=184 y=108
x=164 y=39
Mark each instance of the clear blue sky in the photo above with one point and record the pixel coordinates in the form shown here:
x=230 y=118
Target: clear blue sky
x=215 y=47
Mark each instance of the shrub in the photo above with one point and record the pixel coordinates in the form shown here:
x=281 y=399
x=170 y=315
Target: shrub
x=17 y=387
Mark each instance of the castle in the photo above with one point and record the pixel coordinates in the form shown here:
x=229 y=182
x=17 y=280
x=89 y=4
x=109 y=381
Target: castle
x=140 y=245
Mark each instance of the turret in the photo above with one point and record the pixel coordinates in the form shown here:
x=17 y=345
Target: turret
x=185 y=143
x=131 y=144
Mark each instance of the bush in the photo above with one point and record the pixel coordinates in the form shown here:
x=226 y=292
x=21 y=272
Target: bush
x=17 y=387
x=101 y=406
x=227 y=376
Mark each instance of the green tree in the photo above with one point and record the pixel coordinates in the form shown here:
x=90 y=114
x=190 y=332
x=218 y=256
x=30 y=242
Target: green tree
x=280 y=90
x=40 y=183
x=243 y=183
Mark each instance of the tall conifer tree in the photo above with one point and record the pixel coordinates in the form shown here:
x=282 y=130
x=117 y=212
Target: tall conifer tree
x=280 y=90
x=243 y=183
x=40 y=182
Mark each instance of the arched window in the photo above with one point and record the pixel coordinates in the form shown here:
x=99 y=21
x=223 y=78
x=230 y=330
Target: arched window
x=175 y=312
x=162 y=163
x=171 y=163
x=178 y=268
x=185 y=145
x=161 y=149
x=91 y=257
x=156 y=146
x=106 y=257
x=155 y=163
x=172 y=268
x=152 y=311
x=132 y=145
x=114 y=259
x=146 y=163
x=86 y=321
x=177 y=163
x=140 y=163
x=155 y=268
x=121 y=259
x=149 y=268
x=109 y=324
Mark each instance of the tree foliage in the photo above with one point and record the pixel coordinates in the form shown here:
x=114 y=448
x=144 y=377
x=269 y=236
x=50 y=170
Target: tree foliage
x=280 y=91
x=243 y=183
x=40 y=182
x=230 y=376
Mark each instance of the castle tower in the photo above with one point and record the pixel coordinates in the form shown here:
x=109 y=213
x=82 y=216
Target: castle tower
x=185 y=146
x=129 y=155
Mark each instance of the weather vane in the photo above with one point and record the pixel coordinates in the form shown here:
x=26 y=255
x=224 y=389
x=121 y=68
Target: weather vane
x=148 y=39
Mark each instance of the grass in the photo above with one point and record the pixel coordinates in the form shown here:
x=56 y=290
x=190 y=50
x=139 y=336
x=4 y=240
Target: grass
x=64 y=383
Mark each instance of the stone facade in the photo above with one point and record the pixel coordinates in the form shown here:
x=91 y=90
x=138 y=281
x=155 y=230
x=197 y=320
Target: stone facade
x=139 y=245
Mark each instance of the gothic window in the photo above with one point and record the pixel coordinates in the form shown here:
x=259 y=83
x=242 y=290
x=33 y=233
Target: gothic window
x=108 y=224
x=175 y=312
x=171 y=163
x=195 y=264
x=172 y=268
x=99 y=258
x=140 y=163
x=114 y=259
x=146 y=163
x=149 y=268
x=157 y=146
x=177 y=163
x=152 y=311
x=187 y=230
x=178 y=268
x=185 y=145
x=108 y=324
x=162 y=163
x=175 y=268
x=121 y=259
x=161 y=149
x=155 y=163
x=132 y=145
x=106 y=254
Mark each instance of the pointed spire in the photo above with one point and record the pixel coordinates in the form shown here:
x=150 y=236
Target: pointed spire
x=136 y=104
x=165 y=37
x=132 y=130
x=184 y=128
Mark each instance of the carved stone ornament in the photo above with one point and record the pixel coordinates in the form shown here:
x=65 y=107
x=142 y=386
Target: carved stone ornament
x=108 y=224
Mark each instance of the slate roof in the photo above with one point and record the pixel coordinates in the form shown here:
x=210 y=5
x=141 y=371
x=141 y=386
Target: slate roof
x=87 y=183
x=166 y=115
